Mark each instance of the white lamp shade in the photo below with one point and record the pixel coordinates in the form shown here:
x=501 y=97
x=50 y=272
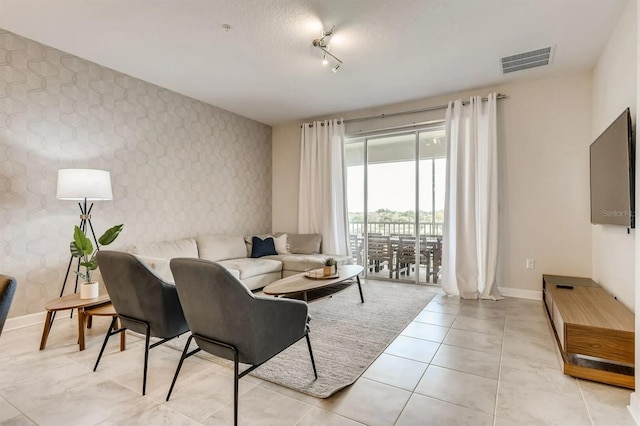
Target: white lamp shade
x=78 y=184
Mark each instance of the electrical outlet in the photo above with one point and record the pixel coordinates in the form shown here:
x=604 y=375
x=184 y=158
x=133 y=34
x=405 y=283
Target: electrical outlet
x=531 y=263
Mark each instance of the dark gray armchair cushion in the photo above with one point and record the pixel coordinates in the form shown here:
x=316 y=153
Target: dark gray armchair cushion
x=7 y=290
x=137 y=292
x=219 y=307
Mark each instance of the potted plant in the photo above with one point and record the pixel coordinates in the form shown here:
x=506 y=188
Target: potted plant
x=329 y=265
x=82 y=248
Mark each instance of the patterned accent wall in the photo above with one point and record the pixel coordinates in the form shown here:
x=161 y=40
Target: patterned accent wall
x=179 y=167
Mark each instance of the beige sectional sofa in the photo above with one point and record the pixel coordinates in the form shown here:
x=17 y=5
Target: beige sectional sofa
x=300 y=253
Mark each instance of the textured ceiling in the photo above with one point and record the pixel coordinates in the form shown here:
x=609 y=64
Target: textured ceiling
x=265 y=67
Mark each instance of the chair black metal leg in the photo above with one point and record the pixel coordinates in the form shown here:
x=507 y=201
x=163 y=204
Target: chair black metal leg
x=236 y=369
x=146 y=358
x=236 y=379
x=147 y=346
x=359 y=289
x=106 y=339
x=182 y=358
x=313 y=363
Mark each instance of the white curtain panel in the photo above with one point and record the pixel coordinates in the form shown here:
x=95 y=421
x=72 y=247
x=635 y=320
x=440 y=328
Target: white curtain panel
x=470 y=234
x=322 y=202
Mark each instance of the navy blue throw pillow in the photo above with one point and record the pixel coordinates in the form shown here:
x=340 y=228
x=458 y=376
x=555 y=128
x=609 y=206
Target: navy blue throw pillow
x=264 y=247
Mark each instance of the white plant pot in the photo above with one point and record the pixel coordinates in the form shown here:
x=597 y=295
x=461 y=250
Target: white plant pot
x=89 y=290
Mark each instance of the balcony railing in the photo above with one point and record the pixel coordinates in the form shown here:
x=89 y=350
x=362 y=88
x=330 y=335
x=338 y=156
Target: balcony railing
x=395 y=228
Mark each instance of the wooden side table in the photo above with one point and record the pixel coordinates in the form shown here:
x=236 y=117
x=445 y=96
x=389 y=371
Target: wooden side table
x=105 y=310
x=70 y=301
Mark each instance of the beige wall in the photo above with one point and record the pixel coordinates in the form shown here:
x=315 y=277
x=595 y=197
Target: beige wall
x=179 y=167
x=544 y=135
x=614 y=89
x=286 y=169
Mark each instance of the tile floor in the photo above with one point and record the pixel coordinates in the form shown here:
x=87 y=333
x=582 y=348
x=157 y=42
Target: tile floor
x=459 y=362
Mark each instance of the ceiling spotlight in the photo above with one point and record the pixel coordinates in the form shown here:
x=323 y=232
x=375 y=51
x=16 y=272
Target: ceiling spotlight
x=322 y=44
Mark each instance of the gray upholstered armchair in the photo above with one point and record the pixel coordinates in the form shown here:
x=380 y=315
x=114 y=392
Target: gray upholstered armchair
x=7 y=290
x=144 y=303
x=227 y=320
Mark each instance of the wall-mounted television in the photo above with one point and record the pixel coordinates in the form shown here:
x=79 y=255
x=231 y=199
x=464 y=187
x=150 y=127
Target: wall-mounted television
x=612 y=158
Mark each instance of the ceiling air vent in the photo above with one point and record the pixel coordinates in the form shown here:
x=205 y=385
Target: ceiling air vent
x=523 y=61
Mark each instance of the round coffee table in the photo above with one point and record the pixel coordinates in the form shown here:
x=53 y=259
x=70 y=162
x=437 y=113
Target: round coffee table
x=302 y=283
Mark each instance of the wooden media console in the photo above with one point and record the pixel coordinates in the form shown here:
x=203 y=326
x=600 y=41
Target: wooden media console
x=595 y=332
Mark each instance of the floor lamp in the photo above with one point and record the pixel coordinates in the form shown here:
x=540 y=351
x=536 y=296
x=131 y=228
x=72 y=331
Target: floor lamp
x=83 y=185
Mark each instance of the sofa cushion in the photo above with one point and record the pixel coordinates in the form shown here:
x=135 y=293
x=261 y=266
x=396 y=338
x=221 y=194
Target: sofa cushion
x=159 y=265
x=282 y=244
x=302 y=263
x=260 y=247
x=221 y=247
x=234 y=272
x=252 y=267
x=259 y=281
x=279 y=240
x=167 y=249
x=304 y=243
x=248 y=241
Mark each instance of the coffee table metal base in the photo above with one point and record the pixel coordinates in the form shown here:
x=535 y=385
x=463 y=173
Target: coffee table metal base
x=329 y=291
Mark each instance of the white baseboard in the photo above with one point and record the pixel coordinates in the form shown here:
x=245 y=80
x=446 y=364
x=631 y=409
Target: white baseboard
x=24 y=321
x=634 y=408
x=521 y=294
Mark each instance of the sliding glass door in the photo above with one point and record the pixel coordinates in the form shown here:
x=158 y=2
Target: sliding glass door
x=432 y=185
x=396 y=200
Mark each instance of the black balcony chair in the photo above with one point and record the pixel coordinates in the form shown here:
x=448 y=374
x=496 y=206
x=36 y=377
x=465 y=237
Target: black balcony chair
x=7 y=290
x=144 y=303
x=228 y=321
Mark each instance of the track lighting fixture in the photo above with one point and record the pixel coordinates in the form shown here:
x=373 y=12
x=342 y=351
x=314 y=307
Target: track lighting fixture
x=323 y=44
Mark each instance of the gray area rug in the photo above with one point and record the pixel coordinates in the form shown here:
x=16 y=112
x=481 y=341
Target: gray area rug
x=346 y=336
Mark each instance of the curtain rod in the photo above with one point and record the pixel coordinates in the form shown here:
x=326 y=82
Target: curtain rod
x=413 y=111
x=396 y=129
x=322 y=124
